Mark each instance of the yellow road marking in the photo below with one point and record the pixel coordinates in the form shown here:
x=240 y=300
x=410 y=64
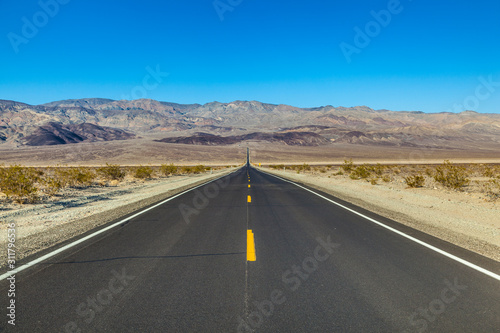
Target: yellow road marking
x=248 y=185
x=249 y=199
x=250 y=246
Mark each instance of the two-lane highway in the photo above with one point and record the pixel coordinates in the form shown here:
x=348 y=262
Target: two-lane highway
x=250 y=252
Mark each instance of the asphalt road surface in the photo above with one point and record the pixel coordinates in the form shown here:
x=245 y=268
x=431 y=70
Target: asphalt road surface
x=191 y=265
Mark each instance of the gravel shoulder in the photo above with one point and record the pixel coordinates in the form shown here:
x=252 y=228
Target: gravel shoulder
x=466 y=220
x=76 y=211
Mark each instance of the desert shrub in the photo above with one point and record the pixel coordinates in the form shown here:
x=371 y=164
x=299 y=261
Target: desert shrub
x=63 y=176
x=199 y=168
x=168 y=169
x=52 y=185
x=111 y=172
x=428 y=172
x=373 y=181
x=386 y=178
x=488 y=172
x=186 y=169
x=493 y=188
x=192 y=169
x=360 y=172
x=329 y=166
x=378 y=169
x=305 y=167
x=277 y=166
x=143 y=172
x=19 y=183
x=84 y=176
x=451 y=176
x=348 y=165
x=339 y=173
x=74 y=177
x=415 y=181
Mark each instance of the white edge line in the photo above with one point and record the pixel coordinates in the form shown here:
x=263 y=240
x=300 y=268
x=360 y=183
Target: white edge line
x=433 y=248
x=81 y=240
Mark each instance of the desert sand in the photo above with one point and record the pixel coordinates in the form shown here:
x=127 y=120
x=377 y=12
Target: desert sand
x=147 y=151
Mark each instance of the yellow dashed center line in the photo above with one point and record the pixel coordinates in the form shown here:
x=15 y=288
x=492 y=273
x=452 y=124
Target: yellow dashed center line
x=250 y=246
x=249 y=199
x=248 y=185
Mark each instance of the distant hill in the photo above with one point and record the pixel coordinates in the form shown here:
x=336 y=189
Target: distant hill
x=288 y=138
x=63 y=122
x=57 y=134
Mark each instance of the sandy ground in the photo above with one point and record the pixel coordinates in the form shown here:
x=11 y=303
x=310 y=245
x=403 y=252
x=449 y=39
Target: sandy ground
x=39 y=226
x=147 y=151
x=464 y=219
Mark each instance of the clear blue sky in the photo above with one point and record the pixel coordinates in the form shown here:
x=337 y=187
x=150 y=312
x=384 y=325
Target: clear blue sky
x=429 y=57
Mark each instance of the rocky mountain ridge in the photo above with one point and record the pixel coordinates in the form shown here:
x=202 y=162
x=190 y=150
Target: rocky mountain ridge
x=22 y=124
x=56 y=134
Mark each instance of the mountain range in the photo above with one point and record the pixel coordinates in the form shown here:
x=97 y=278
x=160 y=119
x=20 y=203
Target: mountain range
x=96 y=119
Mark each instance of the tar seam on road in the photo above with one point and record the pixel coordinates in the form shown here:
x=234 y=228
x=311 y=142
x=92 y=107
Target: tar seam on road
x=433 y=248
x=81 y=240
x=246 y=299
